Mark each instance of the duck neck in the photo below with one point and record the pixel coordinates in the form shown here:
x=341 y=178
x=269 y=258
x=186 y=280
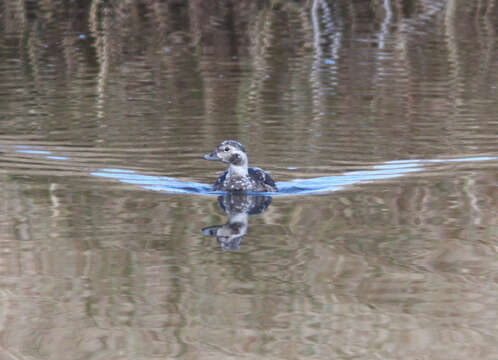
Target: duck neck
x=239 y=170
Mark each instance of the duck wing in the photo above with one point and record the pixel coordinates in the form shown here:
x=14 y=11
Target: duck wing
x=262 y=177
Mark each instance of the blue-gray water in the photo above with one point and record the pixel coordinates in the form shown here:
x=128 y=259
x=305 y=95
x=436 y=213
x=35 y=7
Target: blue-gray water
x=377 y=119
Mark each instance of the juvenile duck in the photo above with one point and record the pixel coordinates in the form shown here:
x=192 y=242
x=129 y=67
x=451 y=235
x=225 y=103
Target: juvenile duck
x=238 y=176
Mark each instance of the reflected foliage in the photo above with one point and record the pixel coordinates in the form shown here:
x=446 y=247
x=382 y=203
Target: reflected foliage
x=243 y=59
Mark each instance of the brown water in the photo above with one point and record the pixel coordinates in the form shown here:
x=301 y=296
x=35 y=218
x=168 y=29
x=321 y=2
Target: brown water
x=377 y=119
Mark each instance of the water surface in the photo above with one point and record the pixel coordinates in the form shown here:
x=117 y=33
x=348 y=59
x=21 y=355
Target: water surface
x=376 y=119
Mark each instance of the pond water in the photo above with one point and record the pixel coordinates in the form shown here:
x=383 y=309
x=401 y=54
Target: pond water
x=377 y=120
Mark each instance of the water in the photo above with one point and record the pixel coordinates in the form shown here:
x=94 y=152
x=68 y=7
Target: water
x=295 y=187
x=376 y=119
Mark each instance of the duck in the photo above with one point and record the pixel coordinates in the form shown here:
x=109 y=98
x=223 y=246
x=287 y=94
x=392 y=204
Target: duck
x=239 y=176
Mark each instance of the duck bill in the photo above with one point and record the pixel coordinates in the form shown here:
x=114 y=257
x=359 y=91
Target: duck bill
x=211 y=230
x=211 y=156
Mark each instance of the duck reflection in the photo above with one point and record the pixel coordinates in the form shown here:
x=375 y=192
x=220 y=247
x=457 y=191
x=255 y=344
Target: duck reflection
x=238 y=207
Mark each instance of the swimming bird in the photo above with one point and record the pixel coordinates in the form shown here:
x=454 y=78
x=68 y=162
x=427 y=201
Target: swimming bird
x=238 y=176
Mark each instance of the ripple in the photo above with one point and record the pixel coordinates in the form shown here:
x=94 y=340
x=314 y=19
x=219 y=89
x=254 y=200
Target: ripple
x=57 y=159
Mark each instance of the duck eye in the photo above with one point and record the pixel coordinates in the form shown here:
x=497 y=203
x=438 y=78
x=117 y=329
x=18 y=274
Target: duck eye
x=227 y=149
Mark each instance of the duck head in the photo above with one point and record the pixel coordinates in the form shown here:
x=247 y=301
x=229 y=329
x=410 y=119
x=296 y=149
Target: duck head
x=230 y=152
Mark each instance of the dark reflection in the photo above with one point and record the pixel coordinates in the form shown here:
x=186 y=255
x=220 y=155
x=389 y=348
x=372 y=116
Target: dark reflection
x=238 y=207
